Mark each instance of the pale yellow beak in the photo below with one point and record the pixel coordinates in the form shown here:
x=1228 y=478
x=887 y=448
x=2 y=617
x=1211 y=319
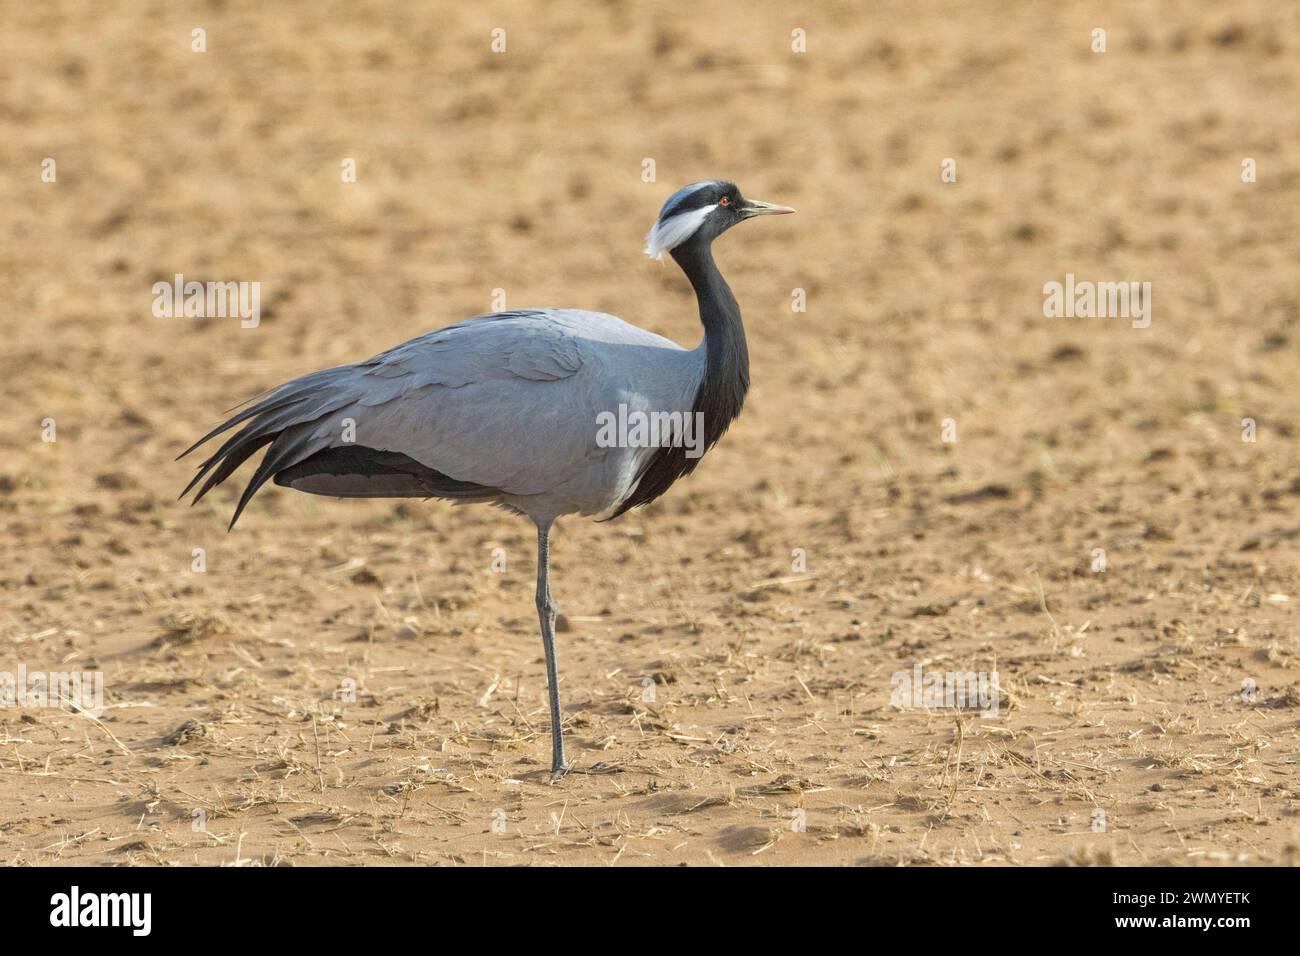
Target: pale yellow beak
x=756 y=207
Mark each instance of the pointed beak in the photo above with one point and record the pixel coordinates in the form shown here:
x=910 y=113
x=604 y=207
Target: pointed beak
x=756 y=207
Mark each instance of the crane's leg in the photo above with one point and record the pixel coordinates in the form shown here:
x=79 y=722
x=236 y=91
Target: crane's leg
x=546 y=615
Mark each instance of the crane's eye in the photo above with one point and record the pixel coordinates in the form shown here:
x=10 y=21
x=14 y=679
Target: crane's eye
x=724 y=201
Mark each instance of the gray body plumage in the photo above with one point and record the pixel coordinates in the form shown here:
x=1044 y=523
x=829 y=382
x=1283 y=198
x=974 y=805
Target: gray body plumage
x=506 y=403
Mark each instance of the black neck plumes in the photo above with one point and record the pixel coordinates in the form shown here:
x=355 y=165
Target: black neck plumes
x=726 y=374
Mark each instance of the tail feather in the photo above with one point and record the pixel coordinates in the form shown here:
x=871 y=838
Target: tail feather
x=227 y=468
x=286 y=420
x=290 y=393
x=270 y=422
x=270 y=404
x=289 y=447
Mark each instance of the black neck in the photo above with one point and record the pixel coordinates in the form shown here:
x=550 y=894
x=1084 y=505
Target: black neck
x=722 y=389
x=726 y=373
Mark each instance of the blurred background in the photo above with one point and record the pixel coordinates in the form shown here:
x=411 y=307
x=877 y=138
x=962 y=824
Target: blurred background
x=522 y=171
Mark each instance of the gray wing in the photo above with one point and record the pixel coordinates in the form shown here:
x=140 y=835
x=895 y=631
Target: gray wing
x=503 y=404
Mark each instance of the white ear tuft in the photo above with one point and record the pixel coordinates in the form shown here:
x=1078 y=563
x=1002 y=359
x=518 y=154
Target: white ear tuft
x=668 y=234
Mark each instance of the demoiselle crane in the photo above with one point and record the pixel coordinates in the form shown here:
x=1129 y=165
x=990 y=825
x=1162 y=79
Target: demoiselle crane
x=513 y=408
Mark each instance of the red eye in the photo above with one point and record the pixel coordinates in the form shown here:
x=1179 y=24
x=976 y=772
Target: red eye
x=724 y=201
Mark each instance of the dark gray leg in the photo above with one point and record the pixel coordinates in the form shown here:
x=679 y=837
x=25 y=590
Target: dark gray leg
x=546 y=616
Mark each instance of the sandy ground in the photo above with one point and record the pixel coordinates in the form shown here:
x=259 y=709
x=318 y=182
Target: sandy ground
x=229 y=735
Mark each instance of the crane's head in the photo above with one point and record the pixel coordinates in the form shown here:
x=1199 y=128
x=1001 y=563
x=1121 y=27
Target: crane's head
x=701 y=212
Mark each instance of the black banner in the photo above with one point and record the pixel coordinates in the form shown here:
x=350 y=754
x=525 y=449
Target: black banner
x=334 y=906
